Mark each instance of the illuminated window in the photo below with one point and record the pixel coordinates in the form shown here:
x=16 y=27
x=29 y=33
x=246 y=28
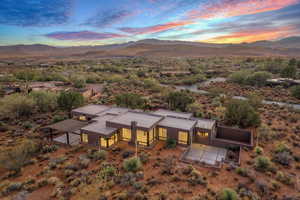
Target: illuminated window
x=126 y=134
x=162 y=134
x=141 y=137
x=202 y=134
x=85 y=138
x=182 y=137
x=151 y=136
x=82 y=118
x=103 y=142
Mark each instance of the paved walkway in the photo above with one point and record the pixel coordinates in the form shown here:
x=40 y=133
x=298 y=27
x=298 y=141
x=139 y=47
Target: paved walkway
x=206 y=154
x=74 y=139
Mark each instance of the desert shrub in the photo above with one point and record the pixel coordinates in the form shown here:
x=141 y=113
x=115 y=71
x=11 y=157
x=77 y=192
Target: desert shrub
x=241 y=113
x=290 y=71
x=258 y=78
x=262 y=163
x=58 y=118
x=283 y=158
x=132 y=164
x=171 y=143
x=97 y=155
x=69 y=100
x=265 y=133
x=45 y=100
x=196 y=109
x=197 y=179
x=144 y=157
x=255 y=100
x=107 y=171
x=25 y=75
x=258 y=150
x=242 y=171
x=17 y=157
x=130 y=100
x=240 y=77
x=179 y=100
x=282 y=154
x=16 y=105
x=247 y=77
x=282 y=147
x=78 y=81
x=296 y=92
x=49 y=148
x=227 y=194
x=284 y=178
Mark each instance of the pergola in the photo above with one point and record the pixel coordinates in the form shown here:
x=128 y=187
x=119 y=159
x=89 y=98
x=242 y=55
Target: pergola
x=67 y=126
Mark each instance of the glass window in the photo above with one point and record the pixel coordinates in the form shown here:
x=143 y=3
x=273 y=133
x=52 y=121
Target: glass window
x=82 y=118
x=103 y=142
x=126 y=134
x=162 y=134
x=202 y=134
x=182 y=137
x=151 y=136
x=84 y=138
x=142 y=137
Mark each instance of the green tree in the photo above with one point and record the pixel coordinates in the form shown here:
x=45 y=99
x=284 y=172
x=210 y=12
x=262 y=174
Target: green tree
x=258 y=78
x=179 y=100
x=289 y=71
x=16 y=105
x=130 y=100
x=240 y=77
x=241 y=113
x=296 y=91
x=45 y=100
x=69 y=100
x=227 y=194
x=196 y=109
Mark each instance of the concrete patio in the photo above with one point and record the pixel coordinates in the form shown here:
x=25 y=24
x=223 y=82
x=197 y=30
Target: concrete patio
x=74 y=139
x=205 y=154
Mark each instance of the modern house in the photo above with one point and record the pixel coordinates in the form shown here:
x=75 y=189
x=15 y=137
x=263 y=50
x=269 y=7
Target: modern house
x=107 y=126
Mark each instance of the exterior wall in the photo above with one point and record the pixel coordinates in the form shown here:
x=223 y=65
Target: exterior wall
x=239 y=136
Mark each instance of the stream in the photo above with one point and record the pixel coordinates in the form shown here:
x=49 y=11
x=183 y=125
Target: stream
x=194 y=88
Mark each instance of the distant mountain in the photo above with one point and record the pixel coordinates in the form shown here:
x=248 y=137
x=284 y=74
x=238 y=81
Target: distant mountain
x=153 y=47
x=290 y=42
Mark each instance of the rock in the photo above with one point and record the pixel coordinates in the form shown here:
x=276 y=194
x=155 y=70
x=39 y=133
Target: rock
x=20 y=196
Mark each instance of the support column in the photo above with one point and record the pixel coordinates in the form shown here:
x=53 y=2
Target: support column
x=68 y=139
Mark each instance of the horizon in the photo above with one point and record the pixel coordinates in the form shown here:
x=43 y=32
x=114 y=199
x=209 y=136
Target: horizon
x=67 y=23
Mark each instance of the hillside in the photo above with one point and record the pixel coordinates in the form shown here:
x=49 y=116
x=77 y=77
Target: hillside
x=152 y=47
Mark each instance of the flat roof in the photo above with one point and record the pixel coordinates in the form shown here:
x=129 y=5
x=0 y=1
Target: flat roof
x=69 y=125
x=144 y=120
x=99 y=126
x=114 y=111
x=164 y=112
x=178 y=123
x=205 y=123
x=91 y=109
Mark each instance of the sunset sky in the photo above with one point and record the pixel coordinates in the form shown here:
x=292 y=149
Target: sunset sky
x=95 y=22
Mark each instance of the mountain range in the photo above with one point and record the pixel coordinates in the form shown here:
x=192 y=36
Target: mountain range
x=152 y=47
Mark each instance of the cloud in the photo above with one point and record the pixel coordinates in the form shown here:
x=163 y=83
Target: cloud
x=34 y=12
x=109 y=17
x=252 y=36
x=231 y=8
x=153 y=29
x=83 y=35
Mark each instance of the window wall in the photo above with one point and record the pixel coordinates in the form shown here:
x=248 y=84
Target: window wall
x=142 y=137
x=84 y=138
x=126 y=134
x=183 y=137
x=162 y=134
x=107 y=142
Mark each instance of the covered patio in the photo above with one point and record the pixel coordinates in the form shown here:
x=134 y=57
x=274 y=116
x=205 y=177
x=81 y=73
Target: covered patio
x=69 y=129
x=208 y=155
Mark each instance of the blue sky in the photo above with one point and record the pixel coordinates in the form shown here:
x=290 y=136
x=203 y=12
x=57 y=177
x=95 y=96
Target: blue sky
x=95 y=22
